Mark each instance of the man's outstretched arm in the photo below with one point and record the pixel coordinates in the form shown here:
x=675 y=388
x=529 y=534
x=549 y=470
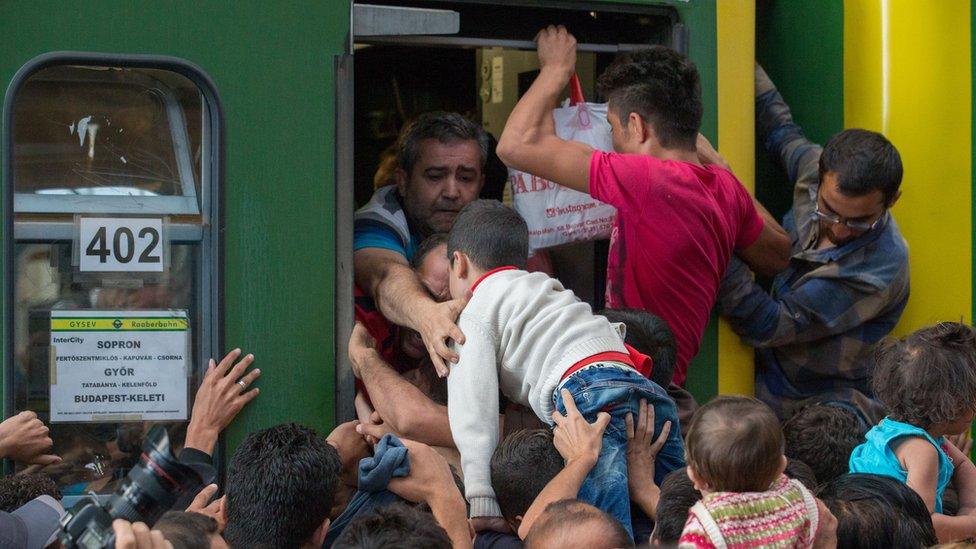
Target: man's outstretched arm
x=529 y=142
x=781 y=136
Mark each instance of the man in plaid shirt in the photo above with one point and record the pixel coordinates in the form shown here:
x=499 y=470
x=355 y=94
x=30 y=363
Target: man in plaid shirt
x=847 y=282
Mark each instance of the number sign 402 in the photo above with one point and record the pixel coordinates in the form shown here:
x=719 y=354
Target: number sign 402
x=120 y=244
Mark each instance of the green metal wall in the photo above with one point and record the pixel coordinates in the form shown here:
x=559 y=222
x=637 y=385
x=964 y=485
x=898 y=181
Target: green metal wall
x=801 y=46
x=273 y=67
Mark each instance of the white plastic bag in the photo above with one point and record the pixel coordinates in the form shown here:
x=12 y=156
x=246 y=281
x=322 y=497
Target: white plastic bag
x=555 y=214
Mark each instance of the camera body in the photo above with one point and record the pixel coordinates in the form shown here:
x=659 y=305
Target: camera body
x=150 y=489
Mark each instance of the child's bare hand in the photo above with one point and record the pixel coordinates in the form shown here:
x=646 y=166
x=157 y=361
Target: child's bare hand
x=642 y=447
x=573 y=436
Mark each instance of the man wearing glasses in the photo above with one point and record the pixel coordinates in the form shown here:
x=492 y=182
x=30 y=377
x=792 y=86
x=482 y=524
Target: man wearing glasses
x=847 y=282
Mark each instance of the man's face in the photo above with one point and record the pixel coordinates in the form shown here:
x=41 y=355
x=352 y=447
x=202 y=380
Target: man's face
x=618 y=132
x=862 y=209
x=433 y=273
x=446 y=177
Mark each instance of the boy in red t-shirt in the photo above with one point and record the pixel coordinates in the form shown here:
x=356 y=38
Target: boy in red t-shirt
x=680 y=211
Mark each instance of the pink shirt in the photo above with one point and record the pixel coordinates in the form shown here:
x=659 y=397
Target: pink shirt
x=677 y=225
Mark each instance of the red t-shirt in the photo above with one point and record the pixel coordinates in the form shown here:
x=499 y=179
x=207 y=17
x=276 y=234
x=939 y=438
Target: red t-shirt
x=677 y=225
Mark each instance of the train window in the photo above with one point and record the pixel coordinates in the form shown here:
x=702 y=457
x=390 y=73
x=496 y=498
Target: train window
x=107 y=139
x=102 y=351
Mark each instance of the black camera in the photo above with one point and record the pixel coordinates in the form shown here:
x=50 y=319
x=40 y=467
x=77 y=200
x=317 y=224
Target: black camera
x=151 y=489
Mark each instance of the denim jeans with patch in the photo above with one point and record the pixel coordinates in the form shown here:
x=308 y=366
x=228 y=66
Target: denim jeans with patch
x=616 y=390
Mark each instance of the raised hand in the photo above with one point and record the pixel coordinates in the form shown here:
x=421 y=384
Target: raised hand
x=574 y=437
x=24 y=438
x=221 y=396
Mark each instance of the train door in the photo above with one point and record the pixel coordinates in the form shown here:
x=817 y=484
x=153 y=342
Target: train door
x=413 y=57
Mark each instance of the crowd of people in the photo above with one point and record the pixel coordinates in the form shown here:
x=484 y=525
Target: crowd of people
x=496 y=409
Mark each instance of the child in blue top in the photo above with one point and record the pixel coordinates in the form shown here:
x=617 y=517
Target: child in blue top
x=927 y=381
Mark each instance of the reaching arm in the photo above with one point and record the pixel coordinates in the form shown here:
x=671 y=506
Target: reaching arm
x=964 y=478
x=403 y=406
x=529 y=142
x=579 y=443
x=430 y=481
x=770 y=253
x=472 y=407
x=920 y=459
x=401 y=297
x=818 y=308
x=781 y=136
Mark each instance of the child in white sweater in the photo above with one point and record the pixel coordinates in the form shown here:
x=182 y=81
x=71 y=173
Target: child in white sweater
x=527 y=336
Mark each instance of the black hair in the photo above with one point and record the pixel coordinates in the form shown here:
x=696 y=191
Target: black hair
x=678 y=495
x=651 y=335
x=491 y=234
x=863 y=162
x=660 y=85
x=558 y=524
x=798 y=470
x=928 y=376
x=445 y=127
x=281 y=484
x=17 y=490
x=187 y=530
x=877 y=512
x=394 y=526
x=521 y=466
x=823 y=437
x=428 y=245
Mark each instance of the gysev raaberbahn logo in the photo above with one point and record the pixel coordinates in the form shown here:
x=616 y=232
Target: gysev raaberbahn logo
x=117 y=324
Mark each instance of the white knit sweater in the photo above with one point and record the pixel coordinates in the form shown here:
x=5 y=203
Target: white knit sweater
x=522 y=332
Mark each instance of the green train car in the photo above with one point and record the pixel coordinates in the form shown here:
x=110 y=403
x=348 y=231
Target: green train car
x=208 y=159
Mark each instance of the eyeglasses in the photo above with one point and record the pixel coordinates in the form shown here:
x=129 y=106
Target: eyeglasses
x=856 y=226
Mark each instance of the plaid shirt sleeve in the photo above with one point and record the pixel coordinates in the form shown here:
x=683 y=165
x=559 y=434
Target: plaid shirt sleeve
x=782 y=137
x=818 y=308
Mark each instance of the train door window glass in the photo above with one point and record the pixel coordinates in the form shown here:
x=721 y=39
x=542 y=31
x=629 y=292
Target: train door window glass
x=116 y=138
x=107 y=139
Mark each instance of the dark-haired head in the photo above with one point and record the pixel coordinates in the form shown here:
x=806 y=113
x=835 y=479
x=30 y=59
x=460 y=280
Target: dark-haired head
x=863 y=162
x=280 y=488
x=798 y=470
x=651 y=335
x=734 y=444
x=929 y=377
x=393 y=527
x=441 y=168
x=661 y=87
x=189 y=530
x=17 y=490
x=489 y=235
x=823 y=436
x=877 y=512
x=572 y=523
x=445 y=127
x=678 y=495
x=521 y=467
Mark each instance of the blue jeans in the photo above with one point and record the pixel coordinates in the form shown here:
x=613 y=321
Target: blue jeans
x=618 y=391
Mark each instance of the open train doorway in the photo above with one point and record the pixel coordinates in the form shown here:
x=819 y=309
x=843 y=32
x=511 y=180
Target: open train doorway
x=479 y=65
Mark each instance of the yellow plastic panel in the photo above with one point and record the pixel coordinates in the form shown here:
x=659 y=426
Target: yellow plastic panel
x=736 y=31
x=907 y=74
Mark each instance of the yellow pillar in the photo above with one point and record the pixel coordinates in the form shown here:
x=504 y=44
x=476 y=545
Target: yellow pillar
x=907 y=74
x=735 y=36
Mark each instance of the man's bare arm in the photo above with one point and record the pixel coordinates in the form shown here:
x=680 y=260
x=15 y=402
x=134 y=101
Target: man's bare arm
x=401 y=297
x=529 y=142
x=770 y=253
x=406 y=409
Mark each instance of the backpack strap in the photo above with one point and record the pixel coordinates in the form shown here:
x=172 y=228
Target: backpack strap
x=709 y=524
x=810 y=503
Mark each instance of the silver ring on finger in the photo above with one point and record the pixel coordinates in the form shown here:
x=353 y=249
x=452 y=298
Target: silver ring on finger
x=243 y=384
